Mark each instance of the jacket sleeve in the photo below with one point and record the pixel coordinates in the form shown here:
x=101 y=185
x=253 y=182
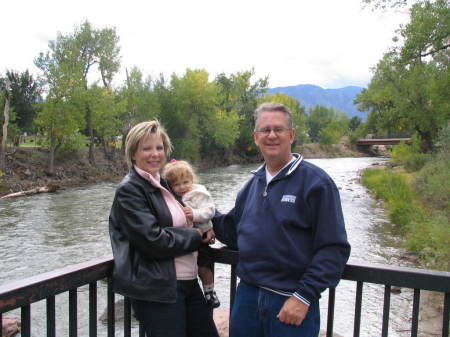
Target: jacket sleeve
x=330 y=245
x=140 y=226
x=224 y=226
x=205 y=210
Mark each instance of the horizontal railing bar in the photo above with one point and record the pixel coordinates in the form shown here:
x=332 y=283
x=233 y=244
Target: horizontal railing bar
x=433 y=280
x=19 y=293
x=24 y=292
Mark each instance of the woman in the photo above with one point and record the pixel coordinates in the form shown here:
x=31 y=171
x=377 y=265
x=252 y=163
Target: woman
x=153 y=244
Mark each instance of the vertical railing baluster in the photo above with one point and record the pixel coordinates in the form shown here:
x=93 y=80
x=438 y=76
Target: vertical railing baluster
x=111 y=310
x=330 y=318
x=73 y=320
x=141 y=330
x=358 y=306
x=415 y=313
x=233 y=285
x=93 y=309
x=51 y=326
x=386 y=307
x=127 y=317
x=445 y=316
x=25 y=324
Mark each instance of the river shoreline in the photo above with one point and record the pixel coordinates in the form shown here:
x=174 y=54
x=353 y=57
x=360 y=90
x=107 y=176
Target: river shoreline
x=71 y=227
x=26 y=168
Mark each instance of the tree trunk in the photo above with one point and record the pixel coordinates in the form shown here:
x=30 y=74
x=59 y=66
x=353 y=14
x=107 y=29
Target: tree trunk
x=91 y=135
x=5 y=128
x=426 y=141
x=105 y=148
x=51 y=162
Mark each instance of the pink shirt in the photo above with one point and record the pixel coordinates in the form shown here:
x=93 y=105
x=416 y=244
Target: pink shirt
x=185 y=265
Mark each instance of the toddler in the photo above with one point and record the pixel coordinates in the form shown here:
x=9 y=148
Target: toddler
x=199 y=208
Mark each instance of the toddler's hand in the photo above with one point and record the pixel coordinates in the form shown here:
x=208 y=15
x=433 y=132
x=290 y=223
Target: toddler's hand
x=188 y=212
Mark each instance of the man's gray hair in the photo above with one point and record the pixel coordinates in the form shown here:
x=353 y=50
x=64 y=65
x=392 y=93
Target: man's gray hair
x=273 y=106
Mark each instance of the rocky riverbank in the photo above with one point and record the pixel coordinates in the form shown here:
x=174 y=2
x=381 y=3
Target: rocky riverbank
x=27 y=168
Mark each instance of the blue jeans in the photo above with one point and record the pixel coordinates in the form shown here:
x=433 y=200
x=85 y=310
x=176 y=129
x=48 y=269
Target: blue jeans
x=190 y=316
x=255 y=313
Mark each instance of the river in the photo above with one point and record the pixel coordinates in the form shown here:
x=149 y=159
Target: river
x=45 y=232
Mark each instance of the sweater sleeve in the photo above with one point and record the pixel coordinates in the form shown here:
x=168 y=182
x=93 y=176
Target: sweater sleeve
x=224 y=226
x=203 y=208
x=330 y=245
x=140 y=226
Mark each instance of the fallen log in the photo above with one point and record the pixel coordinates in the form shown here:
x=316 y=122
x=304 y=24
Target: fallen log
x=45 y=189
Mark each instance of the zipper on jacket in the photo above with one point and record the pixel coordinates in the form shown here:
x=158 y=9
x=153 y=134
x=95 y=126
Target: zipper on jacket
x=265 y=190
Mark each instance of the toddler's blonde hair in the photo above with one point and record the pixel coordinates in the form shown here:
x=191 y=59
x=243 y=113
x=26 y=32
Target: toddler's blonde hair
x=178 y=170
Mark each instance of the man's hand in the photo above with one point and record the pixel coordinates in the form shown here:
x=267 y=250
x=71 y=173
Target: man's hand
x=188 y=212
x=209 y=236
x=293 y=311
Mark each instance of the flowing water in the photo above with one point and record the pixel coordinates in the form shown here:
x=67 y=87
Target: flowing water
x=45 y=232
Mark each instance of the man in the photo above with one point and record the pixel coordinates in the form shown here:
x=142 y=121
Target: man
x=288 y=226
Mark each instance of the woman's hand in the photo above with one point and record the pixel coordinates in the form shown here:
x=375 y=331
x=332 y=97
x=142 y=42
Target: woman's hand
x=188 y=212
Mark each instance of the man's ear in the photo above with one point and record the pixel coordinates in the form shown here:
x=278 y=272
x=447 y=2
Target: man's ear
x=292 y=135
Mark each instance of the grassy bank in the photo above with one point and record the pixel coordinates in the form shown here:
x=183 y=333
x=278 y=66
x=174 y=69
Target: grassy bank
x=417 y=196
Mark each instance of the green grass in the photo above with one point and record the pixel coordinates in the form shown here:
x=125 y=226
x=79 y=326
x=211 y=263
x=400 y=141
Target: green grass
x=424 y=226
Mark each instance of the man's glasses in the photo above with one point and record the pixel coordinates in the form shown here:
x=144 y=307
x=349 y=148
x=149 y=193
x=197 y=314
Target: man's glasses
x=277 y=131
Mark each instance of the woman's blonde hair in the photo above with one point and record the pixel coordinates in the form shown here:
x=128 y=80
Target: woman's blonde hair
x=141 y=131
x=179 y=169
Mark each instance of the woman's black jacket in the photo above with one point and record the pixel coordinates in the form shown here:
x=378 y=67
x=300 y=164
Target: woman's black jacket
x=144 y=242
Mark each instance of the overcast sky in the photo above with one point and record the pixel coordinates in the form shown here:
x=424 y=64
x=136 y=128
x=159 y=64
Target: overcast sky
x=329 y=43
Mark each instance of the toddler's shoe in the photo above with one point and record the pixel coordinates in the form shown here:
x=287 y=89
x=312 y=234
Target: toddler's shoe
x=211 y=299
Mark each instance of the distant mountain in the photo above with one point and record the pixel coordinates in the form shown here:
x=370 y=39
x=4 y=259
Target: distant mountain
x=311 y=95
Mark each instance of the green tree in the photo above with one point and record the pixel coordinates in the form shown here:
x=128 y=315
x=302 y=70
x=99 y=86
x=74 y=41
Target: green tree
x=194 y=107
x=409 y=89
x=61 y=114
x=238 y=92
x=298 y=113
x=106 y=110
x=95 y=48
x=384 y=4
x=137 y=101
x=318 y=118
x=354 y=123
x=25 y=94
x=326 y=125
x=79 y=53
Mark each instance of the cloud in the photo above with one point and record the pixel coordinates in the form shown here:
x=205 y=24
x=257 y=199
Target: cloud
x=321 y=42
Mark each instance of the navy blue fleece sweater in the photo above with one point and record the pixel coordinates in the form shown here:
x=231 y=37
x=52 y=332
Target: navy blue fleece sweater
x=290 y=233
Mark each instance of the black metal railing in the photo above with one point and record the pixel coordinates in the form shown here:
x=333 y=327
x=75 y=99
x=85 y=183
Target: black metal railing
x=46 y=286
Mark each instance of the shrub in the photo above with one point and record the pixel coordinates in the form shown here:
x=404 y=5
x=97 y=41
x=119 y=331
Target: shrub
x=416 y=161
x=433 y=183
x=73 y=143
x=410 y=155
x=426 y=230
x=431 y=237
x=395 y=190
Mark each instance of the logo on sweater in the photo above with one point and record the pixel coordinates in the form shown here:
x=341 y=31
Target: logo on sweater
x=288 y=198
